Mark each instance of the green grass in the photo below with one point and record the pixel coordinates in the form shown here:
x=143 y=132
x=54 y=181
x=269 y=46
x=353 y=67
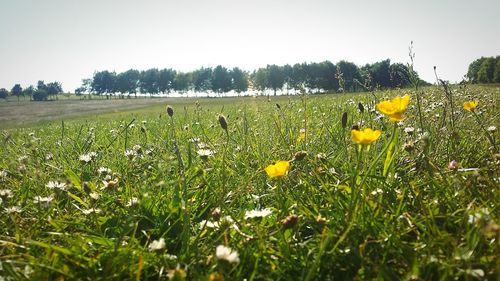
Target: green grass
x=335 y=216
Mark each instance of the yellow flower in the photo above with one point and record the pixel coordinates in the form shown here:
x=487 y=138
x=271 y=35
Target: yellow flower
x=470 y=105
x=302 y=135
x=278 y=169
x=366 y=136
x=395 y=108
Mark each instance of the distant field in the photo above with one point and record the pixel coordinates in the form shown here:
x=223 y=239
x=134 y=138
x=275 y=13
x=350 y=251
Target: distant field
x=15 y=114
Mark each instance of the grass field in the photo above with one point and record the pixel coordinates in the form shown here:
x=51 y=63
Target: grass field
x=141 y=195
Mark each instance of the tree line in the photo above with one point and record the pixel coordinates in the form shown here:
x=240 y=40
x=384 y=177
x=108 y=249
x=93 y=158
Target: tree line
x=41 y=92
x=484 y=70
x=313 y=77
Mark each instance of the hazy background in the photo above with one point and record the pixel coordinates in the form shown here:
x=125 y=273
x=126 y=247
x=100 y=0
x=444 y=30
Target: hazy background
x=67 y=40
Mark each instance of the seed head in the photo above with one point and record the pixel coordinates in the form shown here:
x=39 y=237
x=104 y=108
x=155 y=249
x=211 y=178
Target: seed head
x=299 y=155
x=290 y=221
x=223 y=122
x=170 y=111
x=344 y=120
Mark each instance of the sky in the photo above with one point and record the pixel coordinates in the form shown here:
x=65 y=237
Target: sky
x=68 y=40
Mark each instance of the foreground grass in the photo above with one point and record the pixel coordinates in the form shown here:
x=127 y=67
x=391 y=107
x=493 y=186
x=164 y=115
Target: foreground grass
x=147 y=196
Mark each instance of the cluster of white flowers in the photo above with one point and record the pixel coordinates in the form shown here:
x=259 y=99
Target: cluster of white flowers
x=104 y=171
x=91 y=211
x=3 y=174
x=132 y=202
x=13 y=209
x=216 y=224
x=205 y=153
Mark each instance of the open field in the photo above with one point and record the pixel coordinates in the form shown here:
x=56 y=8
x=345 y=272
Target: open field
x=136 y=194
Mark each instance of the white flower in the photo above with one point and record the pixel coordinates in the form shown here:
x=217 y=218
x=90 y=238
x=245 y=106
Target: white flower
x=132 y=202
x=13 y=209
x=56 y=184
x=43 y=201
x=104 y=170
x=227 y=254
x=130 y=153
x=94 y=195
x=85 y=158
x=257 y=213
x=204 y=153
x=3 y=174
x=492 y=129
x=409 y=130
x=6 y=193
x=157 y=245
x=209 y=224
x=90 y=211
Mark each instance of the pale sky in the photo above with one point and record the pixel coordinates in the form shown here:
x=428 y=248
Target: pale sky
x=67 y=40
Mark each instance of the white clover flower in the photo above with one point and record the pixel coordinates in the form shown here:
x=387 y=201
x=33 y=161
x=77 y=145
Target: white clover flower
x=157 y=245
x=258 y=213
x=132 y=202
x=227 y=254
x=7 y=193
x=492 y=129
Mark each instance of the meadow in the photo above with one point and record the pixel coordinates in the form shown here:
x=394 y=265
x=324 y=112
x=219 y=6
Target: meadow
x=259 y=189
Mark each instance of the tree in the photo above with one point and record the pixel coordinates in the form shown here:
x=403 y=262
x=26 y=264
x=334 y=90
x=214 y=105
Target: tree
x=182 y=82
x=17 y=91
x=41 y=92
x=400 y=77
x=496 y=75
x=148 y=81
x=486 y=71
x=239 y=80
x=54 y=89
x=4 y=93
x=202 y=79
x=348 y=72
x=259 y=79
x=221 y=80
x=166 y=80
x=104 y=83
x=275 y=77
x=474 y=69
x=128 y=81
x=29 y=92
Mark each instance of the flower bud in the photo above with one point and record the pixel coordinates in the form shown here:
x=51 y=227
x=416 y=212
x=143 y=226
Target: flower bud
x=223 y=122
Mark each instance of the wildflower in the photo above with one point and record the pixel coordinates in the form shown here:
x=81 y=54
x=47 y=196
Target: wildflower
x=86 y=158
x=257 y=213
x=492 y=129
x=110 y=183
x=49 y=157
x=132 y=202
x=56 y=184
x=367 y=136
x=302 y=135
x=300 y=155
x=43 y=201
x=278 y=169
x=177 y=274
x=157 y=245
x=104 y=170
x=227 y=254
x=205 y=153
x=409 y=130
x=94 y=195
x=13 y=209
x=6 y=193
x=216 y=276
x=91 y=211
x=394 y=108
x=3 y=174
x=130 y=153
x=471 y=105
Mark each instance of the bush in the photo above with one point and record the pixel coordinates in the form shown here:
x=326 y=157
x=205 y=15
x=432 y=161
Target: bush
x=3 y=93
x=40 y=95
